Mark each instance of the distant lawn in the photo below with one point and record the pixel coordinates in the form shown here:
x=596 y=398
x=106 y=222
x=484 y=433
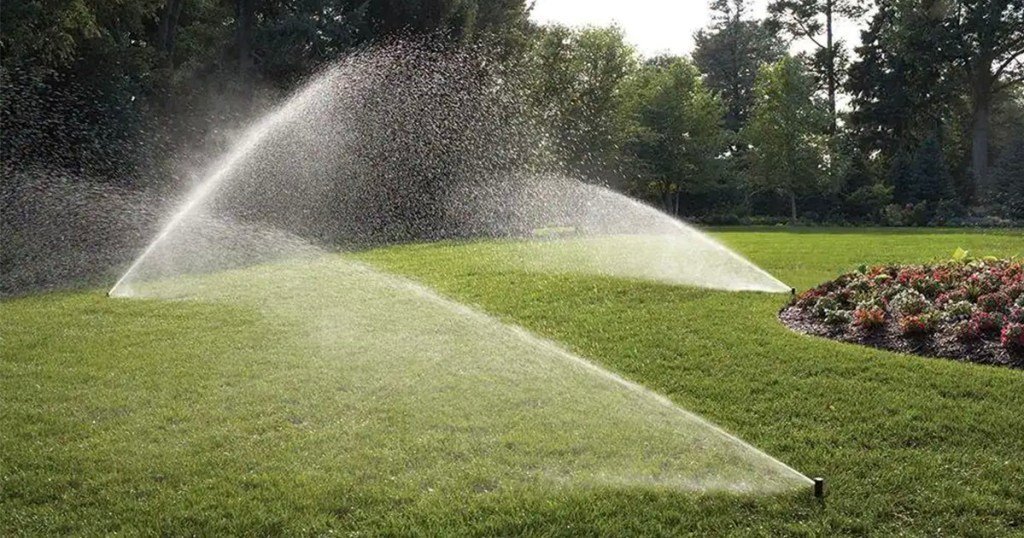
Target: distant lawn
x=178 y=417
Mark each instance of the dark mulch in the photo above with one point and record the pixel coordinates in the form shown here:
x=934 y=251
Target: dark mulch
x=889 y=337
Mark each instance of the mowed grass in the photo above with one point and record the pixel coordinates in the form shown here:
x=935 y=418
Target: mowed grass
x=179 y=417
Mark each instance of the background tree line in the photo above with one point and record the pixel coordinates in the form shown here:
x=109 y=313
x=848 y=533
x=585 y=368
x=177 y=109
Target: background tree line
x=923 y=123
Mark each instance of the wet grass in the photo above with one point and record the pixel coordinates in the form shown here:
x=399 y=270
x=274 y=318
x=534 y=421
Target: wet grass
x=179 y=418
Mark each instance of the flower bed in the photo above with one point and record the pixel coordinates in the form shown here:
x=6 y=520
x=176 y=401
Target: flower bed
x=965 y=309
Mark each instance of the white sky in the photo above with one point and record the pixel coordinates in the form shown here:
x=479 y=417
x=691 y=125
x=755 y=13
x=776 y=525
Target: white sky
x=653 y=26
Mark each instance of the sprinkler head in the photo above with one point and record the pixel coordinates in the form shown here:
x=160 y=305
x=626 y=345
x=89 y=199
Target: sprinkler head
x=819 y=488
x=792 y=291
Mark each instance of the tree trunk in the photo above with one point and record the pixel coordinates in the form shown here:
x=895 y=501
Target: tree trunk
x=246 y=10
x=830 y=53
x=166 y=34
x=979 y=143
x=168 y=31
x=792 y=207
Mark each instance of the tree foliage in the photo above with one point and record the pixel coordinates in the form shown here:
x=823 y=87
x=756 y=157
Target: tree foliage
x=108 y=89
x=730 y=52
x=676 y=138
x=814 y=20
x=787 y=133
x=574 y=78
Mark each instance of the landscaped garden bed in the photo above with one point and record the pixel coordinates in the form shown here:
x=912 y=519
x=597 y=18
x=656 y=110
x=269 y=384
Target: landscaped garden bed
x=965 y=309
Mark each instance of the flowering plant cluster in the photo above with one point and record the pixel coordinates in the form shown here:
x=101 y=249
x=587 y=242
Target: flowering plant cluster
x=962 y=299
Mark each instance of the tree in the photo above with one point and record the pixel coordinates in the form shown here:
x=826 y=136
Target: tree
x=573 y=83
x=118 y=74
x=168 y=30
x=904 y=90
x=1008 y=151
x=814 y=20
x=990 y=52
x=675 y=133
x=730 y=52
x=1008 y=178
x=244 y=25
x=786 y=133
x=928 y=177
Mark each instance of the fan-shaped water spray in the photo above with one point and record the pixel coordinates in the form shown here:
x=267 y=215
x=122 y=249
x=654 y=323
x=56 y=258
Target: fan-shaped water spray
x=398 y=144
x=463 y=396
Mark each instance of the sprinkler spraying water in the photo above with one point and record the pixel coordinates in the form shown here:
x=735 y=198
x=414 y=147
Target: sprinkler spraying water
x=398 y=144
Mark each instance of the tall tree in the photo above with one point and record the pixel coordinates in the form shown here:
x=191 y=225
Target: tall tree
x=168 y=29
x=244 y=22
x=573 y=83
x=787 y=134
x=676 y=138
x=815 y=20
x=990 y=39
x=902 y=86
x=730 y=52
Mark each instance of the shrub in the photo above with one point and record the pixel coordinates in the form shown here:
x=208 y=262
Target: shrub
x=917 y=324
x=809 y=297
x=967 y=298
x=1015 y=291
x=983 y=282
x=987 y=322
x=1016 y=315
x=869 y=317
x=871 y=301
x=1012 y=336
x=927 y=286
x=824 y=304
x=838 y=317
x=952 y=296
x=964 y=331
x=994 y=302
x=910 y=302
x=959 y=309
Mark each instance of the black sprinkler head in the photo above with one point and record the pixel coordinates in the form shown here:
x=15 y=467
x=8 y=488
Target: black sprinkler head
x=792 y=291
x=819 y=488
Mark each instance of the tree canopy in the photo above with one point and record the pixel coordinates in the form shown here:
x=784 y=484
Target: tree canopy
x=921 y=123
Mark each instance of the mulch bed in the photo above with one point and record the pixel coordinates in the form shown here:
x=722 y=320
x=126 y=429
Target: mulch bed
x=889 y=337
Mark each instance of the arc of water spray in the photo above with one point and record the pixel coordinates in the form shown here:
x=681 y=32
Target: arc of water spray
x=780 y=286
x=220 y=171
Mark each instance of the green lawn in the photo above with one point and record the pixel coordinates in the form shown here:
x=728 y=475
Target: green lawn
x=181 y=417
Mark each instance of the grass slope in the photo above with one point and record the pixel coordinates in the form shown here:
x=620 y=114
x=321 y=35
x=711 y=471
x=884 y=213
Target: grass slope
x=188 y=418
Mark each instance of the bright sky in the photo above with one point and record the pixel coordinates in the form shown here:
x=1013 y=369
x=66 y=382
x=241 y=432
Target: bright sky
x=654 y=26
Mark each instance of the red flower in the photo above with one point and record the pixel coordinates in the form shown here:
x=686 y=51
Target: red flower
x=984 y=322
x=1012 y=336
x=869 y=317
x=994 y=302
x=917 y=324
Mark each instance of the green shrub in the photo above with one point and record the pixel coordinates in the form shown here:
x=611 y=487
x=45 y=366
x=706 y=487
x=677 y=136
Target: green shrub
x=910 y=302
x=825 y=304
x=964 y=331
x=838 y=317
